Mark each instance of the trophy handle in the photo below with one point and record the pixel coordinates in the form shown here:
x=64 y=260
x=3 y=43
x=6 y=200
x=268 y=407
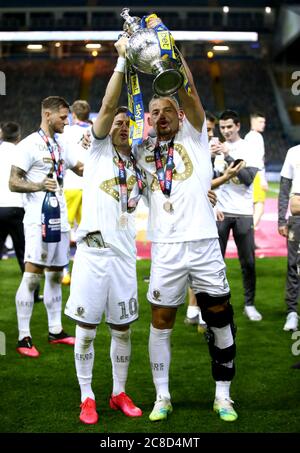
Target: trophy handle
x=131 y=24
x=125 y=14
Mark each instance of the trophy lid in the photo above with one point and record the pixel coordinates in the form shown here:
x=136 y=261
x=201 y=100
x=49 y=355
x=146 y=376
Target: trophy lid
x=132 y=24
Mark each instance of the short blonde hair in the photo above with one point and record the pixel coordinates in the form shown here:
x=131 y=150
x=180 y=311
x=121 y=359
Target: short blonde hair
x=173 y=100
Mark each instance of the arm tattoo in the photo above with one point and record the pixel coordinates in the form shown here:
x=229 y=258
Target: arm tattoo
x=19 y=183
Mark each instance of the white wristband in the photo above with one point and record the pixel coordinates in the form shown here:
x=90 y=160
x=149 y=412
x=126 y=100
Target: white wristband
x=120 y=66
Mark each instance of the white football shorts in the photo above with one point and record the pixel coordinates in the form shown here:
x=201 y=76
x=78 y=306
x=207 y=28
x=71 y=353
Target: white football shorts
x=102 y=282
x=175 y=266
x=46 y=254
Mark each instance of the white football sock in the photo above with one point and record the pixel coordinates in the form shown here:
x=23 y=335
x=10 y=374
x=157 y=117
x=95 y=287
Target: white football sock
x=201 y=320
x=223 y=389
x=160 y=357
x=25 y=301
x=84 y=360
x=120 y=350
x=52 y=300
x=223 y=338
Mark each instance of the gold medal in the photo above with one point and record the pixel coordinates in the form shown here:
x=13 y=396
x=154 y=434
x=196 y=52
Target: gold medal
x=168 y=207
x=123 y=221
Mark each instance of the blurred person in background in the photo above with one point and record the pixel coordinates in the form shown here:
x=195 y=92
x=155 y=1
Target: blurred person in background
x=73 y=135
x=260 y=184
x=289 y=193
x=235 y=201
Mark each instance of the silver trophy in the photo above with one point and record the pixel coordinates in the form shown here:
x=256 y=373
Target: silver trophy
x=144 y=53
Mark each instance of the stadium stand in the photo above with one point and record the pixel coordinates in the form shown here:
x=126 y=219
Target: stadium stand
x=242 y=80
x=31 y=81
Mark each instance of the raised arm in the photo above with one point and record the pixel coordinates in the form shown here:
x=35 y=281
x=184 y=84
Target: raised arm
x=191 y=103
x=104 y=120
x=19 y=183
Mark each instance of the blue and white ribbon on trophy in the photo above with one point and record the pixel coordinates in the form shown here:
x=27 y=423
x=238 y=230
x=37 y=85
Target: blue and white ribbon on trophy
x=168 y=50
x=135 y=107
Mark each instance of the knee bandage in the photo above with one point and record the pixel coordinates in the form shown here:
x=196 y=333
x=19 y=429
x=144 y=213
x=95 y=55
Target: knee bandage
x=216 y=310
x=218 y=314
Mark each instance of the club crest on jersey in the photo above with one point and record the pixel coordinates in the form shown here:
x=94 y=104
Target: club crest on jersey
x=156 y=295
x=148 y=144
x=80 y=311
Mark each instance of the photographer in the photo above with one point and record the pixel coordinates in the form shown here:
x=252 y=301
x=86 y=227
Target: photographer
x=235 y=200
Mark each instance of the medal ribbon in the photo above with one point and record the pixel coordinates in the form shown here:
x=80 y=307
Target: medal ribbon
x=58 y=165
x=123 y=183
x=165 y=177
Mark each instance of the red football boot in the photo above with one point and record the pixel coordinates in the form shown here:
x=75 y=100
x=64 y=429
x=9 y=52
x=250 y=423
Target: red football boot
x=123 y=403
x=26 y=348
x=88 y=414
x=62 y=338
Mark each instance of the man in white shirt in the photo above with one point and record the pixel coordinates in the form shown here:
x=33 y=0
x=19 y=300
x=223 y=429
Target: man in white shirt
x=193 y=313
x=290 y=192
x=185 y=247
x=235 y=200
x=104 y=270
x=38 y=156
x=11 y=204
x=221 y=174
x=260 y=185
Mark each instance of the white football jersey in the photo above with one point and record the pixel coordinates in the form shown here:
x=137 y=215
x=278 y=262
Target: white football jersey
x=291 y=168
x=101 y=205
x=233 y=196
x=191 y=216
x=34 y=158
x=257 y=148
x=8 y=199
x=72 y=139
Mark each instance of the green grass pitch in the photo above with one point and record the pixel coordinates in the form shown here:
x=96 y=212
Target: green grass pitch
x=42 y=395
